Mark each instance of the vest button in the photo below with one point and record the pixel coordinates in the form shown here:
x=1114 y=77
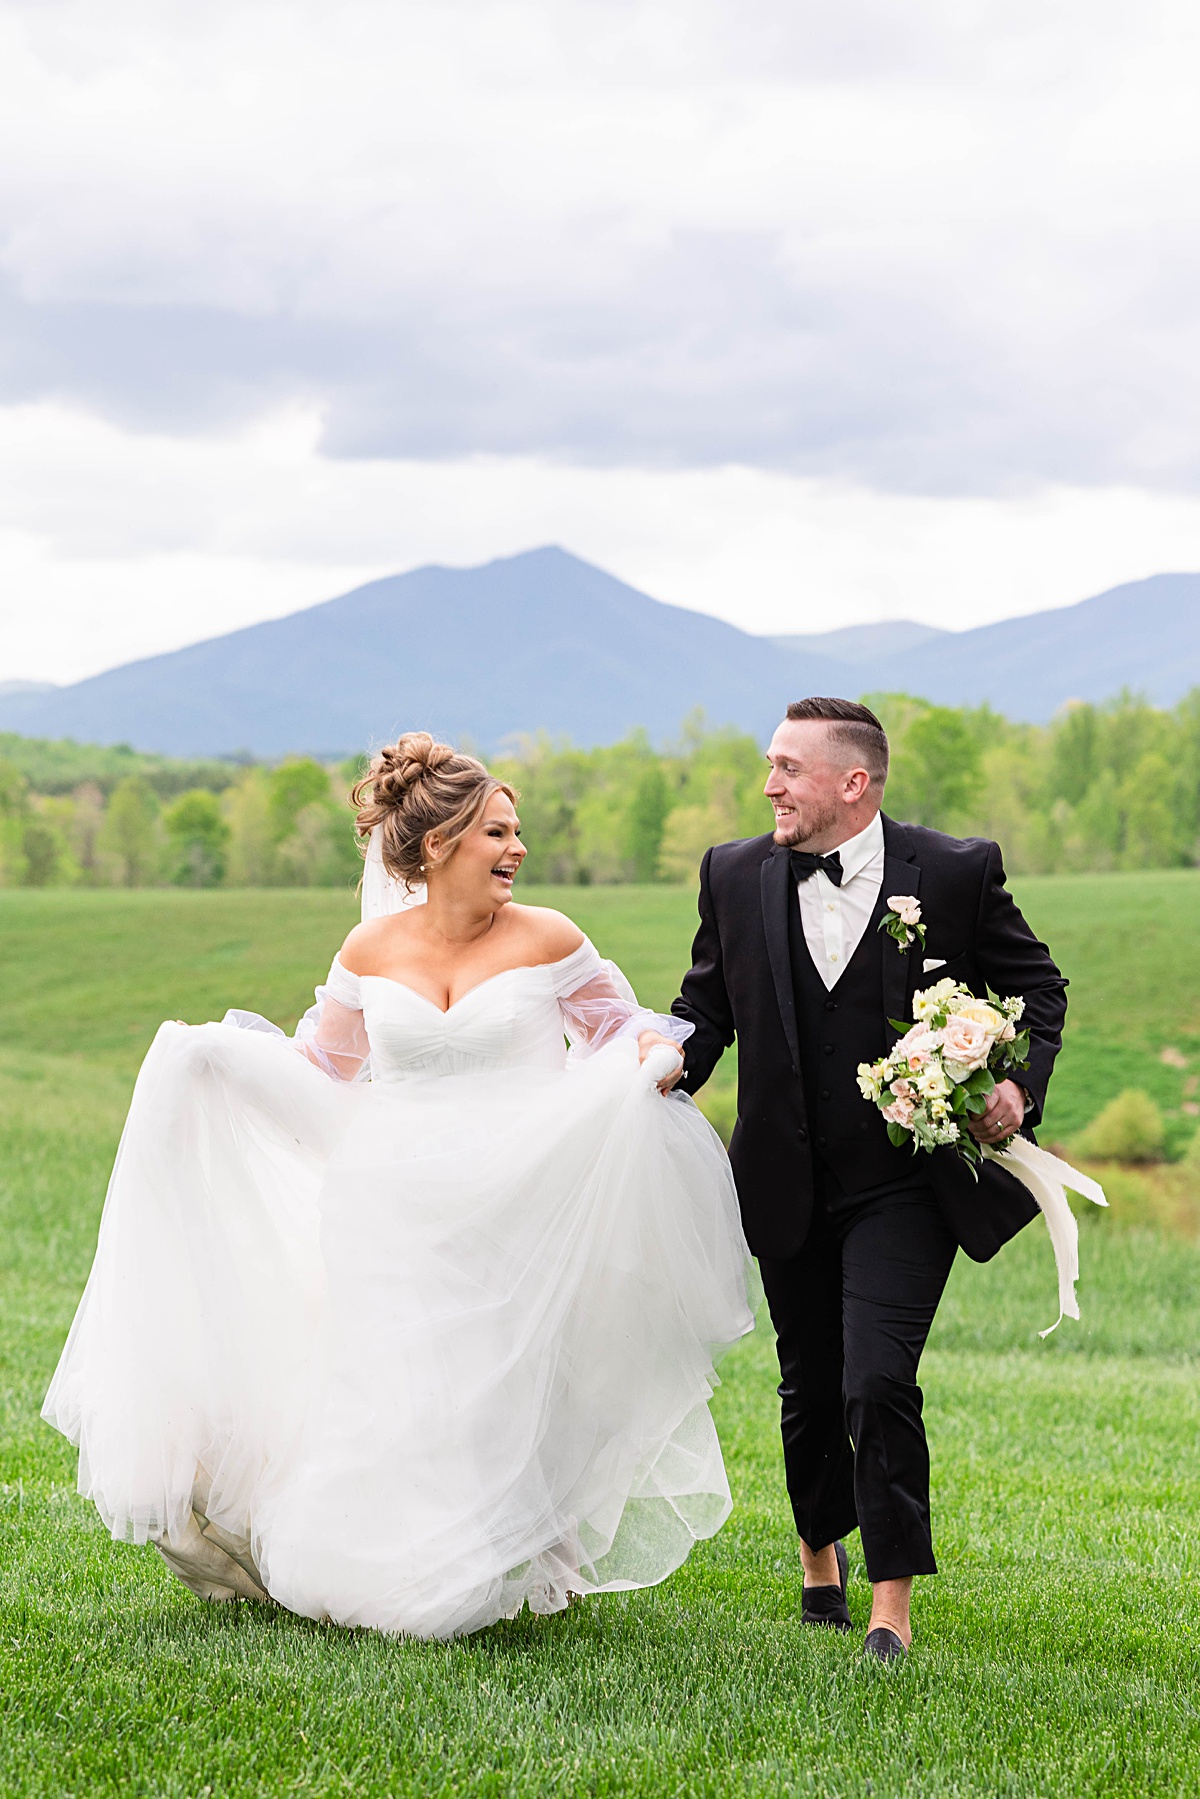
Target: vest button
x=802 y=1134
x=820 y=1142
x=825 y=1093
x=831 y=1005
x=829 y=1049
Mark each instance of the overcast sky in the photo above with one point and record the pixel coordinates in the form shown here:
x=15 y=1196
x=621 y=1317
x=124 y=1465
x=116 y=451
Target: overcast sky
x=803 y=314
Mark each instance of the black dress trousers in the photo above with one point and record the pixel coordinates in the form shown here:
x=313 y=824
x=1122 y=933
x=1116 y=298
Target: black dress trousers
x=852 y=1312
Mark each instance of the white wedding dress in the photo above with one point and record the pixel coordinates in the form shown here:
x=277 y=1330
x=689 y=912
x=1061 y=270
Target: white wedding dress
x=413 y=1351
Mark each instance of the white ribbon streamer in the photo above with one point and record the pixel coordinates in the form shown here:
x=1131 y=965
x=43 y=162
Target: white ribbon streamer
x=1046 y=1177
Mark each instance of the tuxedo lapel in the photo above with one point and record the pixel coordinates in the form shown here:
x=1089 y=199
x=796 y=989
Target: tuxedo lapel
x=775 y=878
x=901 y=874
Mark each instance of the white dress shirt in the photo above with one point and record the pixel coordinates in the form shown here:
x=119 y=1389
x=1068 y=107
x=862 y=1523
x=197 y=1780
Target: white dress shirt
x=834 y=918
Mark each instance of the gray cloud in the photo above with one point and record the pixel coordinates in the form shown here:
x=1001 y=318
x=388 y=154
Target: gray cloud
x=980 y=297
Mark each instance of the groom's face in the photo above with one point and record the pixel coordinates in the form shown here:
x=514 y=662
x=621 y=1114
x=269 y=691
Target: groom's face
x=808 y=787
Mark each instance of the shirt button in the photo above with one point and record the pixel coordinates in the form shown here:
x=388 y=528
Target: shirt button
x=833 y=958
x=829 y=908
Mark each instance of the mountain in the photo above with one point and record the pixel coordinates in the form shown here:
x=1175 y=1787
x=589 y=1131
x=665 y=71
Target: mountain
x=1144 y=636
x=543 y=641
x=540 y=641
x=858 y=644
x=7 y=687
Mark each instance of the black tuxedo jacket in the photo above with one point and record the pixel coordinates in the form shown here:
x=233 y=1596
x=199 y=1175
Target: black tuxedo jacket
x=740 y=985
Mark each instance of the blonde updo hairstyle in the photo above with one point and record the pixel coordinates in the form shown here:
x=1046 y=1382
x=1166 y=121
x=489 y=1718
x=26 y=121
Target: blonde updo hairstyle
x=415 y=787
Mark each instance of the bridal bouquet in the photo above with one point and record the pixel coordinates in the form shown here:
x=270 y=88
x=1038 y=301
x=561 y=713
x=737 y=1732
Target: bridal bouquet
x=945 y=1066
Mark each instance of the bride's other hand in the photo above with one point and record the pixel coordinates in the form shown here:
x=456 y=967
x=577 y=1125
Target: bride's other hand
x=648 y=1040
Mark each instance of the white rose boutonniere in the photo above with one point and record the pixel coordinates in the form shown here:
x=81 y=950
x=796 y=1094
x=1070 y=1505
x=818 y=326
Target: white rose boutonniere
x=903 y=921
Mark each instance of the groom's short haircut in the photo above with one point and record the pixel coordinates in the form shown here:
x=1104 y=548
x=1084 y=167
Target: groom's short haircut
x=853 y=726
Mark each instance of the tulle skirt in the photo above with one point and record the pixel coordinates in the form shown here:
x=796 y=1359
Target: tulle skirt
x=412 y=1354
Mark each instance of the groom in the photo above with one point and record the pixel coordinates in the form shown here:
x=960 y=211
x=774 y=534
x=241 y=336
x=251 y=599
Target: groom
x=854 y=1236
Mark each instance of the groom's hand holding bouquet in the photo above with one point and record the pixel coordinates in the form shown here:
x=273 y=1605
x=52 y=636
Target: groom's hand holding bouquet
x=947 y=1072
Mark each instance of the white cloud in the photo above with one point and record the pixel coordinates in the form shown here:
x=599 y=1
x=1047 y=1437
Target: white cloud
x=798 y=313
x=927 y=246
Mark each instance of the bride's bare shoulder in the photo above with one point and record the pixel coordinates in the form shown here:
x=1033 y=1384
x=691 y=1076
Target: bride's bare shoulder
x=369 y=943
x=550 y=935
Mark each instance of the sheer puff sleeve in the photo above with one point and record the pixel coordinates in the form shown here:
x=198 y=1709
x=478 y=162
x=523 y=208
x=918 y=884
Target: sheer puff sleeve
x=331 y=1035
x=598 y=1004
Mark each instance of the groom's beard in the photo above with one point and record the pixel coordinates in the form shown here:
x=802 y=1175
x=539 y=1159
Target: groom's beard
x=814 y=821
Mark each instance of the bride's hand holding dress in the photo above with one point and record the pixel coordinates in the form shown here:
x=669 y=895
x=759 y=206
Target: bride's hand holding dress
x=415 y=1350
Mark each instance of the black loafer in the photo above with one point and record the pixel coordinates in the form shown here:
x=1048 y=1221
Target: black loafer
x=827 y=1605
x=884 y=1645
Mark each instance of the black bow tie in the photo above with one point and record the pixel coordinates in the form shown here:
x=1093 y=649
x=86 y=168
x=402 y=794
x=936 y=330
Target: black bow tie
x=804 y=864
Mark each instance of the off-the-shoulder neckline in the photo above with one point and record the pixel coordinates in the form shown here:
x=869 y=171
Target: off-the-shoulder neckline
x=443 y=1011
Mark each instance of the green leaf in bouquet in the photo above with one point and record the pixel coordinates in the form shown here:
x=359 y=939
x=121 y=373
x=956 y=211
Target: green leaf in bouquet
x=981 y=1081
x=977 y=1103
x=897 y=1026
x=897 y=1135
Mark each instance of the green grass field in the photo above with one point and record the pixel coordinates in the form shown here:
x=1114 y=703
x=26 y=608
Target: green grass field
x=1058 y=1652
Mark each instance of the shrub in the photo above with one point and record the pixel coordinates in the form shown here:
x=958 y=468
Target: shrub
x=1129 y=1129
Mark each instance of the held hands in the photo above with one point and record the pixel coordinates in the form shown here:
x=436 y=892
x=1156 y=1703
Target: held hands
x=648 y=1040
x=1004 y=1116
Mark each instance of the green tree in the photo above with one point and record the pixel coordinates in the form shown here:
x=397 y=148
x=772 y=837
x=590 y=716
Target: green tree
x=129 y=838
x=199 y=839
x=83 y=824
x=14 y=813
x=645 y=818
x=295 y=784
x=937 y=769
x=44 y=851
x=1144 y=801
x=312 y=828
x=247 y=810
x=1075 y=753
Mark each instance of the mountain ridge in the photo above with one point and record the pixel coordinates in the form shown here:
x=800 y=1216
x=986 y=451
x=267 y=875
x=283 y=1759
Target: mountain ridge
x=543 y=641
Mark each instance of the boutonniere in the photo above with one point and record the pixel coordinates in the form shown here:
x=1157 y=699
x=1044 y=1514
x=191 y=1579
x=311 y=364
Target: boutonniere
x=903 y=921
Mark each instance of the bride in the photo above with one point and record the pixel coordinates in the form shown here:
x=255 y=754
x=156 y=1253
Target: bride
x=416 y=1350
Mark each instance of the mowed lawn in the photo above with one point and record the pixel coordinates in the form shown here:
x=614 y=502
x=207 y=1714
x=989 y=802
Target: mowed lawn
x=1058 y=1652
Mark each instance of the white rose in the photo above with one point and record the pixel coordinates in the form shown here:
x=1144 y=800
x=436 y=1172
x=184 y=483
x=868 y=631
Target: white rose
x=916 y=1047
x=965 y=1045
x=992 y=1021
x=907 y=907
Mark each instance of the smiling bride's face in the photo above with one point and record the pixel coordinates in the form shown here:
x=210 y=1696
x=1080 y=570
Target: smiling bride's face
x=483 y=864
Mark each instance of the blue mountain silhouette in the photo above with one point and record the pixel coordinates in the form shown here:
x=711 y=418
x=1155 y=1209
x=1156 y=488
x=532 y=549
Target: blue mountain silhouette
x=546 y=642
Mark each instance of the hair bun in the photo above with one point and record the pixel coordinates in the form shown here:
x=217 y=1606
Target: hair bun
x=402 y=765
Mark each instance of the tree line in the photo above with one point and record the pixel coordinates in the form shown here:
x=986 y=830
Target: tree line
x=1101 y=787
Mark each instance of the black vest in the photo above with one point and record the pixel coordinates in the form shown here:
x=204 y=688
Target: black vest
x=837 y=1030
